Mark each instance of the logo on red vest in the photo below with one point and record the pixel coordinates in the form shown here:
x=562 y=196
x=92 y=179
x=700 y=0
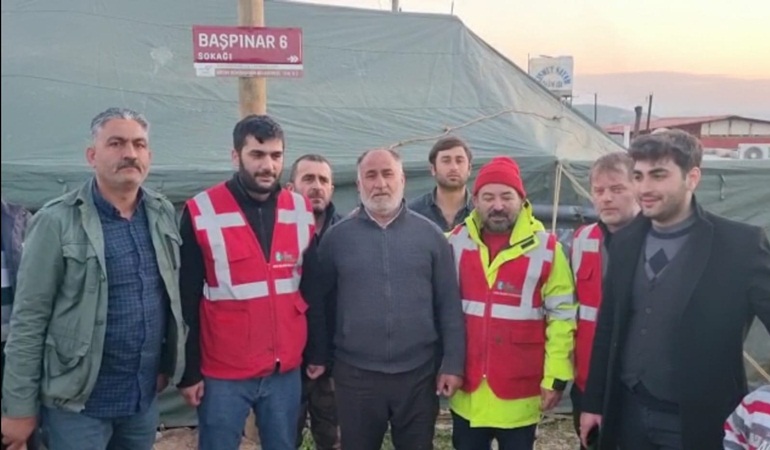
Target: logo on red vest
x=285 y=257
x=505 y=288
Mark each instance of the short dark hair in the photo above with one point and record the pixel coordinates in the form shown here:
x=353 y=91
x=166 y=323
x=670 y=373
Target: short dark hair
x=446 y=143
x=312 y=157
x=612 y=162
x=681 y=147
x=260 y=127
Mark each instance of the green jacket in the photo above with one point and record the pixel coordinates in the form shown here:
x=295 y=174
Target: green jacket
x=56 y=341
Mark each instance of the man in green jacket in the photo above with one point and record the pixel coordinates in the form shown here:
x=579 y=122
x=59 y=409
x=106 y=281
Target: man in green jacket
x=97 y=328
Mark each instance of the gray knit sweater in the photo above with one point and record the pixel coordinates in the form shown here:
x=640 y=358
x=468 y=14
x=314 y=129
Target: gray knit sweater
x=398 y=304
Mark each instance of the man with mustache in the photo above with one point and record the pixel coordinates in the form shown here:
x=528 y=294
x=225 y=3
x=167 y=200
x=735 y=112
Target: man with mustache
x=682 y=288
x=97 y=329
x=517 y=296
x=396 y=297
x=449 y=203
x=248 y=249
x=311 y=176
x=614 y=200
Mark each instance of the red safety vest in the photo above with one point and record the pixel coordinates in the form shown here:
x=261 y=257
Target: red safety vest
x=587 y=267
x=505 y=323
x=252 y=313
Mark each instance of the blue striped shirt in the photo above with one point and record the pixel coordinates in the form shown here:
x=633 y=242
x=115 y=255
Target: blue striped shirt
x=136 y=316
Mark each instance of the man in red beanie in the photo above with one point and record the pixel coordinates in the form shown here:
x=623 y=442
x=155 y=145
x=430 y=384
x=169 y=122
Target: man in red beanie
x=517 y=292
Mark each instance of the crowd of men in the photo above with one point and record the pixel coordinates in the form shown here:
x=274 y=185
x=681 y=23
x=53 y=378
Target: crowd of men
x=264 y=298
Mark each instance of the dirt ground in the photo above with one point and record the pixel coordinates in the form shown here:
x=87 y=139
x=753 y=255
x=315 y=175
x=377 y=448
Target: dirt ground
x=554 y=433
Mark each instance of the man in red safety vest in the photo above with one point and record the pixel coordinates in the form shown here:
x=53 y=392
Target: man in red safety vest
x=615 y=203
x=517 y=296
x=247 y=247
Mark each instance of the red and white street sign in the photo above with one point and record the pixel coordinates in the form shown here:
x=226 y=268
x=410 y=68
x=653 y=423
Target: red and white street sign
x=247 y=51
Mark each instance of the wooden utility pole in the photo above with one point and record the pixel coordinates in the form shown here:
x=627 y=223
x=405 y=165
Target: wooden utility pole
x=252 y=91
x=596 y=107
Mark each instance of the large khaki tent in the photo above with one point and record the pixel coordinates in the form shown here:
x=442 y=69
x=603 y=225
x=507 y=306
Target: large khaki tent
x=372 y=79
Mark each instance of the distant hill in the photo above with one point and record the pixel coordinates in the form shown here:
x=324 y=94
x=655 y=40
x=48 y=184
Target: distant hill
x=607 y=115
x=679 y=94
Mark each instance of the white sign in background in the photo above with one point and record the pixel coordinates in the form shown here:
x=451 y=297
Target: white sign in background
x=556 y=73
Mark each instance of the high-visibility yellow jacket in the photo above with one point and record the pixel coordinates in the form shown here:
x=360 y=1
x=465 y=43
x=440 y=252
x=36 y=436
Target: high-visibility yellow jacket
x=520 y=317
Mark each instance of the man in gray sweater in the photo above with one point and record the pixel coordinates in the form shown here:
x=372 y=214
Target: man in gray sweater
x=397 y=295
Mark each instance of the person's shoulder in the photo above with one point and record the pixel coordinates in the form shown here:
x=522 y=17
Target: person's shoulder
x=160 y=199
x=757 y=400
x=59 y=205
x=344 y=224
x=724 y=224
x=422 y=223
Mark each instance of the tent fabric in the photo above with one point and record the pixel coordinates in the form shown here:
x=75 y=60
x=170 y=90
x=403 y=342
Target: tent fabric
x=372 y=79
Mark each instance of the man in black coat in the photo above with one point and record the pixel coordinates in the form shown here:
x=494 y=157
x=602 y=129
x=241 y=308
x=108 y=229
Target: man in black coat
x=682 y=289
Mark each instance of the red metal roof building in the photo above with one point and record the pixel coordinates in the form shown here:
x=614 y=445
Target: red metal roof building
x=715 y=132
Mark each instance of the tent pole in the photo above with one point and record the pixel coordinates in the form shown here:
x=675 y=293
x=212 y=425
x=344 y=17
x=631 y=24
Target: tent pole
x=252 y=91
x=556 y=195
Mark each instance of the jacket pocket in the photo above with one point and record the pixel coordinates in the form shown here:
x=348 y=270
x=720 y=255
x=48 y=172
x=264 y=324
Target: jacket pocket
x=528 y=350
x=82 y=272
x=66 y=367
x=172 y=241
x=64 y=353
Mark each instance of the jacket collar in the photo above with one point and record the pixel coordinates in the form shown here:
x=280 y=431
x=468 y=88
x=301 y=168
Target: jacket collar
x=524 y=230
x=431 y=200
x=362 y=213
x=84 y=195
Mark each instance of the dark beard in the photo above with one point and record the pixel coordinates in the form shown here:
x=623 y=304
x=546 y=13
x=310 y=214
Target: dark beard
x=250 y=184
x=451 y=186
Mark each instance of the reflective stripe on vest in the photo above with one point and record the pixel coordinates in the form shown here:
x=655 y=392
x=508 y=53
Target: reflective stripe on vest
x=212 y=224
x=462 y=242
x=586 y=241
x=588 y=313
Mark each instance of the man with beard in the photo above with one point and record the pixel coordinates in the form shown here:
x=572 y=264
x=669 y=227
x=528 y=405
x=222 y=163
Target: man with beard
x=311 y=176
x=396 y=289
x=517 y=296
x=97 y=328
x=666 y=366
x=614 y=200
x=247 y=249
x=449 y=203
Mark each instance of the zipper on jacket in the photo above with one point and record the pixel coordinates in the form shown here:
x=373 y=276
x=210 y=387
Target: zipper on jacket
x=388 y=294
x=271 y=291
x=485 y=330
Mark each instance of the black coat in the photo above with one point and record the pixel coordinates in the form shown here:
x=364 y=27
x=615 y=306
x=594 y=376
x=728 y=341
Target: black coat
x=728 y=284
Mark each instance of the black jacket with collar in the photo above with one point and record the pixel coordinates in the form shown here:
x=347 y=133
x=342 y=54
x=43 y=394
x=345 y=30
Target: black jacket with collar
x=728 y=284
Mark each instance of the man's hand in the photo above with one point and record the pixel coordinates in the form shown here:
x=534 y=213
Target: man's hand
x=588 y=422
x=161 y=383
x=446 y=385
x=313 y=371
x=549 y=399
x=193 y=394
x=16 y=431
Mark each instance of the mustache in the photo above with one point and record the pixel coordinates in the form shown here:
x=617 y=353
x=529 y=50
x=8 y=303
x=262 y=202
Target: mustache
x=264 y=173
x=315 y=193
x=497 y=214
x=129 y=163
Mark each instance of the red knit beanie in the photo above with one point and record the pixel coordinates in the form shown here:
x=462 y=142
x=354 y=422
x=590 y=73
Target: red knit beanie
x=502 y=170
